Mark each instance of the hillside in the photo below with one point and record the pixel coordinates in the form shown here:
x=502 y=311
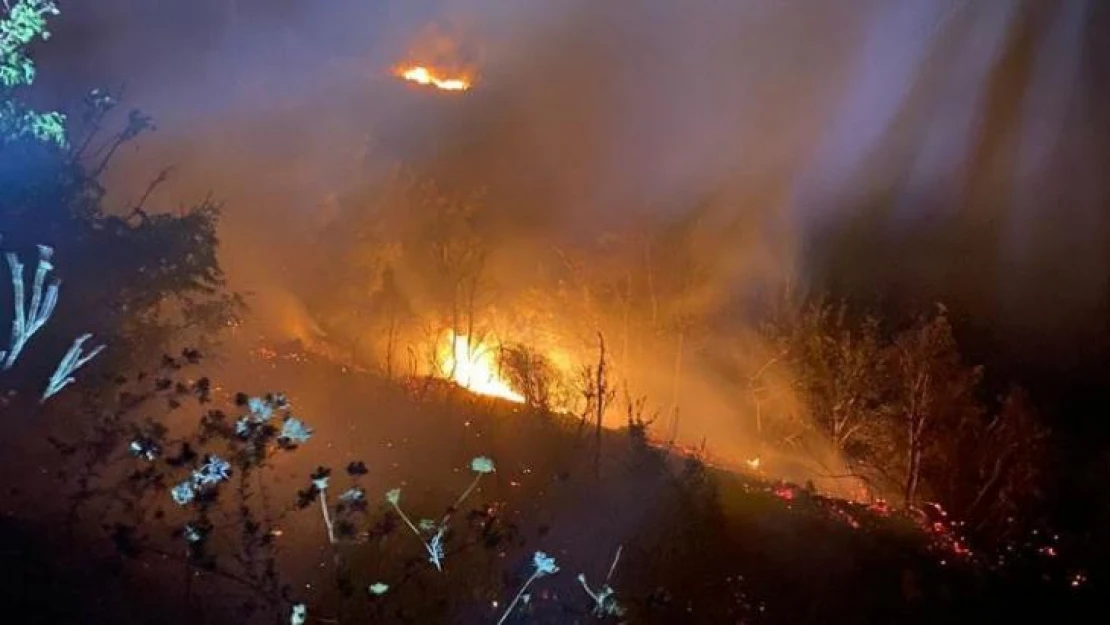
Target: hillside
x=697 y=544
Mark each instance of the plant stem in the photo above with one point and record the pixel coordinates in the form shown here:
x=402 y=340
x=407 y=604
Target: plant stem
x=405 y=518
x=427 y=547
x=520 y=592
x=458 y=502
x=613 y=567
x=327 y=516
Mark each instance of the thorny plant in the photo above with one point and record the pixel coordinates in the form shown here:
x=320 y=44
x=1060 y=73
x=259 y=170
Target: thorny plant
x=211 y=480
x=436 y=532
x=201 y=483
x=267 y=428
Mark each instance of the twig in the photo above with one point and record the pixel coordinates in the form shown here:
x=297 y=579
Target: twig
x=458 y=502
x=327 y=516
x=613 y=567
x=512 y=604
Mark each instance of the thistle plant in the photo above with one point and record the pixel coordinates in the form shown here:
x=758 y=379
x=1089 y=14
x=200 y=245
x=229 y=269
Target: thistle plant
x=212 y=472
x=543 y=565
x=480 y=465
x=605 y=603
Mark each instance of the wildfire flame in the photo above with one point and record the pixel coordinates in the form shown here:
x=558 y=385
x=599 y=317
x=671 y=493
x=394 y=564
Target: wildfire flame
x=474 y=367
x=424 y=76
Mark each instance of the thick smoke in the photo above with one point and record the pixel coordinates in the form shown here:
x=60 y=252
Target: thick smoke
x=916 y=150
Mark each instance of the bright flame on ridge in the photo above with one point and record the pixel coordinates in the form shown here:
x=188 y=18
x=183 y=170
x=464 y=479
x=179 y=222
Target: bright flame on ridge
x=423 y=76
x=473 y=366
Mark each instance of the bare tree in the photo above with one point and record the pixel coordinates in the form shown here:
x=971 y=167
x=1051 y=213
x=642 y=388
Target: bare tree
x=599 y=395
x=839 y=370
x=933 y=392
x=529 y=373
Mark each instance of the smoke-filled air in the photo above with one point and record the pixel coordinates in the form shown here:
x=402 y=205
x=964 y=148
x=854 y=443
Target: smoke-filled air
x=554 y=311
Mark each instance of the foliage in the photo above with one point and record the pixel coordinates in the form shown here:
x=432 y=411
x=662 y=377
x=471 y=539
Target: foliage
x=140 y=268
x=142 y=277
x=530 y=374
x=907 y=412
x=23 y=22
x=839 y=371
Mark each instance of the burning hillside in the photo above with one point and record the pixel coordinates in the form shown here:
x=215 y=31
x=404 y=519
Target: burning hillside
x=431 y=78
x=440 y=57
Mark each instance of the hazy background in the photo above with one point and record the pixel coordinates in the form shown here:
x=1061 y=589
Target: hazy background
x=898 y=152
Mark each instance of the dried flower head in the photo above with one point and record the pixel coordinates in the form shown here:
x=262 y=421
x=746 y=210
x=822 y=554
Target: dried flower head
x=192 y=533
x=295 y=431
x=299 y=614
x=482 y=464
x=545 y=565
x=183 y=493
x=352 y=495
x=213 y=471
x=393 y=496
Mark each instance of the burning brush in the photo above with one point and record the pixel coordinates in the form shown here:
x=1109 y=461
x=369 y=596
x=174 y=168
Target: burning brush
x=428 y=77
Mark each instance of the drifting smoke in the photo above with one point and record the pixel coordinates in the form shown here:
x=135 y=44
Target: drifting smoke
x=914 y=150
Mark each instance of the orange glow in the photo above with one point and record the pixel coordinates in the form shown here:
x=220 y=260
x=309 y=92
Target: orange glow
x=473 y=366
x=424 y=76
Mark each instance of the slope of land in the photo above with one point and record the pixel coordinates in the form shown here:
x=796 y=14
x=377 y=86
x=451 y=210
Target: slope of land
x=697 y=544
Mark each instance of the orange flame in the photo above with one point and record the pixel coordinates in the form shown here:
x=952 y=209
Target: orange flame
x=424 y=76
x=474 y=367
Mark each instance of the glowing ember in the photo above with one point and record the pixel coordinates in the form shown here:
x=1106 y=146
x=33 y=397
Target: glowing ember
x=753 y=463
x=423 y=76
x=474 y=367
x=784 y=492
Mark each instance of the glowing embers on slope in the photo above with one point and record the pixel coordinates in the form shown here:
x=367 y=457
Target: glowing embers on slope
x=474 y=366
x=430 y=78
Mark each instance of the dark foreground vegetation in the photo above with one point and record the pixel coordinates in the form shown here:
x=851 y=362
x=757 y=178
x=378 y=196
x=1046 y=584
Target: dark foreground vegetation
x=696 y=544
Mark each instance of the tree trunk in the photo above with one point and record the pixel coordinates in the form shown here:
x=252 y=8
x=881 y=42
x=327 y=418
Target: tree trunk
x=912 y=476
x=390 y=344
x=627 y=318
x=677 y=373
x=454 y=329
x=916 y=430
x=600 y=406
x=651 y=286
